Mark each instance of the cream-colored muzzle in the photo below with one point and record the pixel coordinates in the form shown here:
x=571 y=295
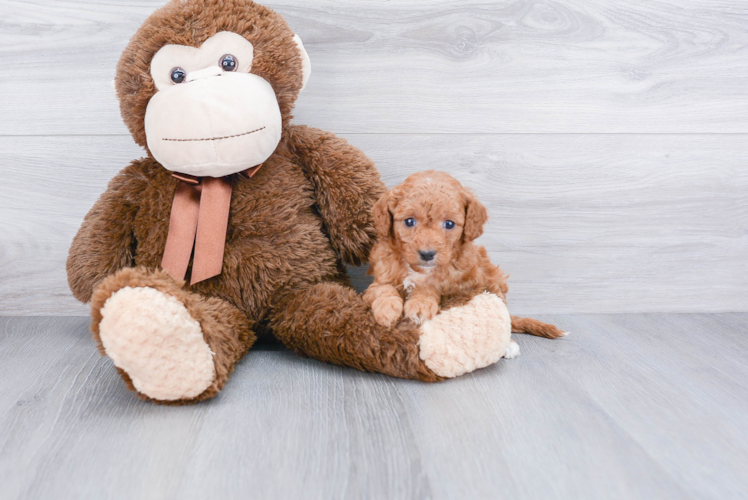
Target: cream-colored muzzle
x=215 y=124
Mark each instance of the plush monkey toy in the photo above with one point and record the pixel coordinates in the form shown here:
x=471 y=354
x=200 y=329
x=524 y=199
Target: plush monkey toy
x=258 y=215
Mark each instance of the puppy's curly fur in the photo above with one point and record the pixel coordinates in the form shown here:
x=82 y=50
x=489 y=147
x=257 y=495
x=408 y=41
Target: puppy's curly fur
x=425 y=259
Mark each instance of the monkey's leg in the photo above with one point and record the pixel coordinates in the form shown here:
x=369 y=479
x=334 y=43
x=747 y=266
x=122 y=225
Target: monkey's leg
x=332 y=323
x=171 y=346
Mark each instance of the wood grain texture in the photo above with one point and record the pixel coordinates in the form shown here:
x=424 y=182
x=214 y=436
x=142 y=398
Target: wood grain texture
x=430 y=66
x=589 y=223
x=602 y=221
x=627 y=407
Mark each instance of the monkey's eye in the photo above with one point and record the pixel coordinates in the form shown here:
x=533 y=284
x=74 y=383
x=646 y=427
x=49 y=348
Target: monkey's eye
x=229 y=63
x=410 y=222
x=448 y=224
x=178 y=75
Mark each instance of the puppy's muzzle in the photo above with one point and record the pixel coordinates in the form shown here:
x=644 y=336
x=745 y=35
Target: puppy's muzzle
x=427 y=255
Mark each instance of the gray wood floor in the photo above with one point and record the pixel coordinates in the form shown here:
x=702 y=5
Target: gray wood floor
x=629 y=406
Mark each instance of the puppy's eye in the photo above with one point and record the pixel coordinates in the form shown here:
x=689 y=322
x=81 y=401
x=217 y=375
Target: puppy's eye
x=229 y=63
x=448 y=224
x=410 y=222
x=178 y=75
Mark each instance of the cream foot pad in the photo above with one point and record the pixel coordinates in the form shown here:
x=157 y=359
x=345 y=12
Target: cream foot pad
x=465 y=338
x=151 y=336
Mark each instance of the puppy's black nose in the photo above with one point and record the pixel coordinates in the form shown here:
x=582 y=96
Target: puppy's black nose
x=427 y=256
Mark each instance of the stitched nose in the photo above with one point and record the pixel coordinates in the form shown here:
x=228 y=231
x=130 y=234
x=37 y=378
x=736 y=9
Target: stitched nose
x=427 y=256
x=204 y=73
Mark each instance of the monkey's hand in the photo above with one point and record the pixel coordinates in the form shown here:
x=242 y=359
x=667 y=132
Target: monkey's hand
x=105 y=242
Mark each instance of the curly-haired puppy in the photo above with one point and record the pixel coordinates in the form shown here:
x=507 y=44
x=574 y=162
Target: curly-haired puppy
x=425 y=259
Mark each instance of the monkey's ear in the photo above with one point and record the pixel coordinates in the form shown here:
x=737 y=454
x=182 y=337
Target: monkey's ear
x=475 y=216
x=383 y=217
x=306 y=64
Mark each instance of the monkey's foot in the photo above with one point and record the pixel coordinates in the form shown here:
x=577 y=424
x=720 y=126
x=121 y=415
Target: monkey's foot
x=468 y=337
x=154 y=339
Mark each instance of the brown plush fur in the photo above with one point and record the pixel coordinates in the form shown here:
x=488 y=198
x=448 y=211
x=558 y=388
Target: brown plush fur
x=406 y=283
x=348 y=325
x=291 y=227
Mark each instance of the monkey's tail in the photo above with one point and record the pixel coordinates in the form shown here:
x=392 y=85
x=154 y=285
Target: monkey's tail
x=535 y=327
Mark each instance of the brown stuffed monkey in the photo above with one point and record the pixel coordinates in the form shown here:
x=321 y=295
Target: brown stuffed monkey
x=236 y=222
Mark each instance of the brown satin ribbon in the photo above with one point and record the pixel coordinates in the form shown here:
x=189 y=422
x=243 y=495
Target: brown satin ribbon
x=199 y=219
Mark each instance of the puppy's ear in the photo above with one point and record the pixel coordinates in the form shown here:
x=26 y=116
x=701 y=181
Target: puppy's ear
x=475 y=216
x=383 y=217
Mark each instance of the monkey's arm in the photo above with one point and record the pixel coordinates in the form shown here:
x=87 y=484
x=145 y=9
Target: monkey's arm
x=346 y=186
x=105 y=242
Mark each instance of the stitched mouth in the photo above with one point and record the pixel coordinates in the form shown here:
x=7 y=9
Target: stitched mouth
x=215 y=138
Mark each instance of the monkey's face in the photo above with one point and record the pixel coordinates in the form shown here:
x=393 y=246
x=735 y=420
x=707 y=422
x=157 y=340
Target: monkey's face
x=210 y=115
x=208 y=86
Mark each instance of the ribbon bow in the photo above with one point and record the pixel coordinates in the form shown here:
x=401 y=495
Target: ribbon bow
x=199 y=219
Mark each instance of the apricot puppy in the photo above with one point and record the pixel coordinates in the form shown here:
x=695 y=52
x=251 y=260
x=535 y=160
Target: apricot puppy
x=425 y=259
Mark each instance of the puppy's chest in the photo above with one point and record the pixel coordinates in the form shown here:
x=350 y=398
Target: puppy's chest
x=415 y=279
x=449 y=284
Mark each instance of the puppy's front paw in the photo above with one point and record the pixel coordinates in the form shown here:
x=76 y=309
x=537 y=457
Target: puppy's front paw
x=419 y=310
x=387 y=310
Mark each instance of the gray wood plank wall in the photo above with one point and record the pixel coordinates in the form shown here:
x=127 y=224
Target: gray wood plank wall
x=607 y=138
